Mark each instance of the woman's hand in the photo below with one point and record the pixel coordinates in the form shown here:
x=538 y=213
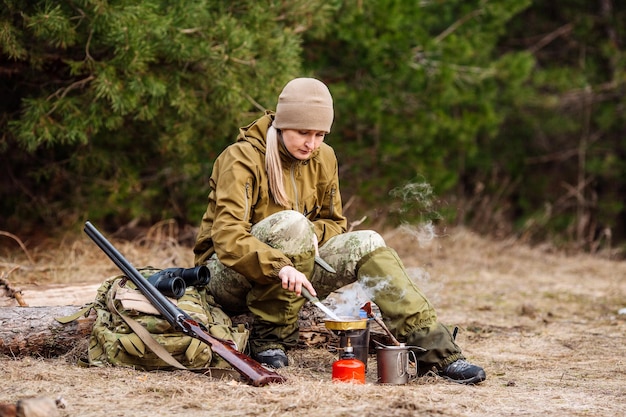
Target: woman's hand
x=294 y=280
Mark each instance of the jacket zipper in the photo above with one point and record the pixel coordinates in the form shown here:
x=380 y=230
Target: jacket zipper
x=333 y=191
x=247 y=198
x=295 y=188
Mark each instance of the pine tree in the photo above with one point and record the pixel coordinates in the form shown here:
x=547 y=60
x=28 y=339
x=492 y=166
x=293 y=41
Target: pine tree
x=116 y=109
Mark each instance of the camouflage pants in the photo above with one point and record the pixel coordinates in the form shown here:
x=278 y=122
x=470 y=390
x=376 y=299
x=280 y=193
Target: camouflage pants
x=356 y=256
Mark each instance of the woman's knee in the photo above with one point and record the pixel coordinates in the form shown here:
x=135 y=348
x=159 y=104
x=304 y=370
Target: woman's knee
x=370 y=240
x=287 y=230
x=358 y=243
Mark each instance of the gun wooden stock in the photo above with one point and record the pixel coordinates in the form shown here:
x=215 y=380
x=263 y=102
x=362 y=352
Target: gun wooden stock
x=255 y=373
x=252 y=371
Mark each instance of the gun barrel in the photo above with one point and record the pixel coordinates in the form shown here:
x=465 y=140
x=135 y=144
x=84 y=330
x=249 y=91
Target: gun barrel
x=170 y=312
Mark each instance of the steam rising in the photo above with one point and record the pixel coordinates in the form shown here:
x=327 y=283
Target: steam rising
x=417 y=203
x=423 y=233
x=348 y=300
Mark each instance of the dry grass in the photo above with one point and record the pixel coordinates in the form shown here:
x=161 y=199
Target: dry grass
x=75 y=260
x=545 y=326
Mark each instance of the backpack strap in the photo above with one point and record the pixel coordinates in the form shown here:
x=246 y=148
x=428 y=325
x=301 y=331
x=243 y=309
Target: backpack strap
x=82 y=312
x=145 y=336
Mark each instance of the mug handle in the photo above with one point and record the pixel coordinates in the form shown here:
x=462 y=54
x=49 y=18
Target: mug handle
x=408 y=355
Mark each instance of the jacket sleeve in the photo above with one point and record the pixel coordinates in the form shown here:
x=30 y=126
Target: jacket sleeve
x=234 y=178
x=330 y=221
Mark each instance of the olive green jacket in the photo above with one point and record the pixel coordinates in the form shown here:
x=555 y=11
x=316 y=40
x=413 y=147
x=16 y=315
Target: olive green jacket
x=239 y=197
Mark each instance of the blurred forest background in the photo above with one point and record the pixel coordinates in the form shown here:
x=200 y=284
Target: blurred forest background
x=505 y=116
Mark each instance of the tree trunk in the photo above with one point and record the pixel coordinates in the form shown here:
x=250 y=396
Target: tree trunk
x=34 y=331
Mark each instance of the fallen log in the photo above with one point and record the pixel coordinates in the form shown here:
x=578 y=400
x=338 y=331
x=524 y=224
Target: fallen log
x=31 y=329
x=34 y=331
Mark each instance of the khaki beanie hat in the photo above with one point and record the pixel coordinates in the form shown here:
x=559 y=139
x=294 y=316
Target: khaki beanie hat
x=304 y=103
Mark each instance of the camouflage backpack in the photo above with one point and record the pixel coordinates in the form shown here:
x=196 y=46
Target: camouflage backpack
x=128 y=331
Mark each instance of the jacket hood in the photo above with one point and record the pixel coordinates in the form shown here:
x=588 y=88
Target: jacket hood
x=256 y=132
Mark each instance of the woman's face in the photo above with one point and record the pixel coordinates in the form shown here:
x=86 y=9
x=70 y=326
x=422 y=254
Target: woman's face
x=302 y=143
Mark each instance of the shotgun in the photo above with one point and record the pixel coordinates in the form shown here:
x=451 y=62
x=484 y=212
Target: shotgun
x=252 y=371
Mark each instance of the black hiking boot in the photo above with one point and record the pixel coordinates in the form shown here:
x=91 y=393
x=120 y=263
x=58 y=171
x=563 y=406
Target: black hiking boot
x=463 y=372
x=276 y=358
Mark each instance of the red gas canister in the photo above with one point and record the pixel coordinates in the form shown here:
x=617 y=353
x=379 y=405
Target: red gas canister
x=348 y=368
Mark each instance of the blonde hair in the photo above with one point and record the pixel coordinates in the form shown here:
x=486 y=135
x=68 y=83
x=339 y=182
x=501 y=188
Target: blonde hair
x=274 y=168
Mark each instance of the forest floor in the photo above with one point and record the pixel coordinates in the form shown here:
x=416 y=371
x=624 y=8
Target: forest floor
x=545 y=326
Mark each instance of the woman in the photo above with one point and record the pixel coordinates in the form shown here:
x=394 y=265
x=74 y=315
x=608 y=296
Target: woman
x=274 y=204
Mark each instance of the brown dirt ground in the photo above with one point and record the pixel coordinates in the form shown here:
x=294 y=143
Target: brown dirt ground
x=545 y=326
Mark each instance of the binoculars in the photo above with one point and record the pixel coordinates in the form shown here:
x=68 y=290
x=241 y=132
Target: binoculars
x=172 y=282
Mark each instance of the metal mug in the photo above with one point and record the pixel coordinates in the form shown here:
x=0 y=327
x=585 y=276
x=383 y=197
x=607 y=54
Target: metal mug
x=393 y=363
